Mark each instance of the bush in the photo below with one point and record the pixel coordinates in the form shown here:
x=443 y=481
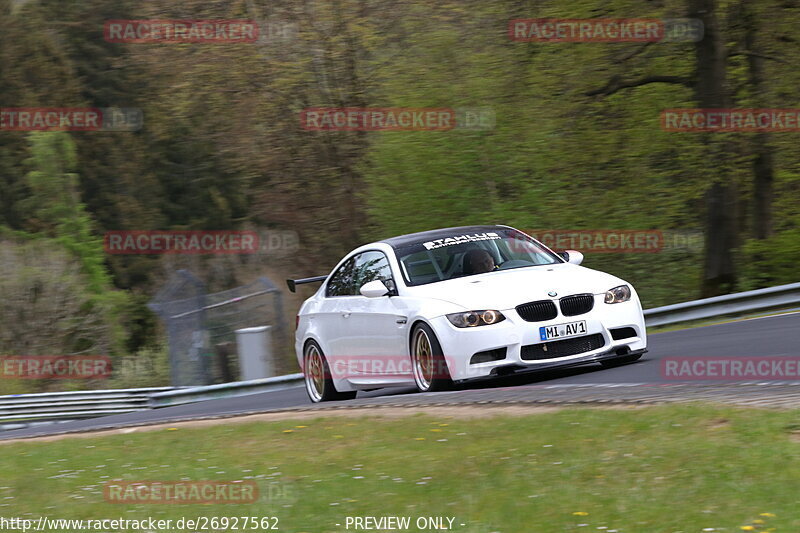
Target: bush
x=47 y=306
x=772 y=261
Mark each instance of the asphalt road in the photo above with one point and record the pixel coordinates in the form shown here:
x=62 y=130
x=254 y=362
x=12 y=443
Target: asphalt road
x=762 y=337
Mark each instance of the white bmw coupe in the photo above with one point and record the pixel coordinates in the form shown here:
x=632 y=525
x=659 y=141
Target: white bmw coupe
x=457 y=304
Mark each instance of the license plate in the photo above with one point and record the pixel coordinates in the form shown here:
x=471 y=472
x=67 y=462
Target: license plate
x=561 y=331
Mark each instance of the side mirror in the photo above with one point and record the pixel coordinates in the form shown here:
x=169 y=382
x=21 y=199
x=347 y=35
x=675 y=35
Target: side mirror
x=572 y=256
x=374 y=289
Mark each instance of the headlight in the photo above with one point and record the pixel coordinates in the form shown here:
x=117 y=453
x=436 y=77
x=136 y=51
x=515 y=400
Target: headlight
x=470 y=319
x=618 y=294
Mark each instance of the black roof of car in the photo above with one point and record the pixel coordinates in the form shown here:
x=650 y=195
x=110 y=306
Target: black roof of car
x=432 y=235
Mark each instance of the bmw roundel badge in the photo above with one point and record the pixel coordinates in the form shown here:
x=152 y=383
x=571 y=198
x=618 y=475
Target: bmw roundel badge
x=552 y=294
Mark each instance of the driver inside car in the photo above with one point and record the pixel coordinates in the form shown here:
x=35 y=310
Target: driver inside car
x=478 y=261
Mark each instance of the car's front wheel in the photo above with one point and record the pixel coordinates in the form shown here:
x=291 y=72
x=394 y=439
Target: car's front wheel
x=317 y=377
x=427 y=361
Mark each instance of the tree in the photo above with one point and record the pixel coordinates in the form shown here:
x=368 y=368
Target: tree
x=709 y=85
x=55 y=207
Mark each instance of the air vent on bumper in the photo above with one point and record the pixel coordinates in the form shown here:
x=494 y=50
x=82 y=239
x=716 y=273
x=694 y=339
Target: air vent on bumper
x=487 y=356
x=565 y=348
x=622 y=333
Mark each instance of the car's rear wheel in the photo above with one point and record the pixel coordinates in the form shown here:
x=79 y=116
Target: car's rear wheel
x=317 y=377
x=619 y=361
x=427 y=361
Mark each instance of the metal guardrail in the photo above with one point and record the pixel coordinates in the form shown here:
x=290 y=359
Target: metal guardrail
x=87 y=404
x=74 y=405
x=223 y=390
x=741 y=302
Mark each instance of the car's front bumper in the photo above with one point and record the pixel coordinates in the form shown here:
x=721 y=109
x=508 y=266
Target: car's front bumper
x=513 y=368
x=510 y=336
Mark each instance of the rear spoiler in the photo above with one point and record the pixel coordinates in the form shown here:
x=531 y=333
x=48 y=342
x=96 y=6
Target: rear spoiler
x=292 y=283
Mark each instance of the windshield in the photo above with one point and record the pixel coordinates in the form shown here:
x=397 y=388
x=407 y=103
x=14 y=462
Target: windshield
x=461 y=255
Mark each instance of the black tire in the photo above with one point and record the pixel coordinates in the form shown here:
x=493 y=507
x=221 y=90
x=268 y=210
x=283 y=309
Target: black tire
x=622 y=360
x=317 y=376
x=430 y=370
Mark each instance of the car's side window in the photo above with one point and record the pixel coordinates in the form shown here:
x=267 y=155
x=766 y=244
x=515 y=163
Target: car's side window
x=370 y=266
x=341 y=282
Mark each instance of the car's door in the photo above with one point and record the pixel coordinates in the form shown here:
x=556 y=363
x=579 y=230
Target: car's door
x=335 y=309
x=377 y=327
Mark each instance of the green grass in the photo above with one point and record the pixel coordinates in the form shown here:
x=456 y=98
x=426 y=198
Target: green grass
x=658 y=469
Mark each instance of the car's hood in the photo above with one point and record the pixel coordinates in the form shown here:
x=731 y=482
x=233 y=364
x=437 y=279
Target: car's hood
x=505 y=289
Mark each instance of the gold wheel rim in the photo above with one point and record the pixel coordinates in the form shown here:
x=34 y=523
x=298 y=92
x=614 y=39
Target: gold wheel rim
x=423 y=360
x=315 y=373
